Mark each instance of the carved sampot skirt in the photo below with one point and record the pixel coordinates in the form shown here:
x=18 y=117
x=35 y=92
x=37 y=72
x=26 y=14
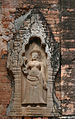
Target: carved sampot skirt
x=34 y=93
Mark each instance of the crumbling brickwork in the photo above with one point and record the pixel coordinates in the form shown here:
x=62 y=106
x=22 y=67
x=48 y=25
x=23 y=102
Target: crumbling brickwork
x=60 y=16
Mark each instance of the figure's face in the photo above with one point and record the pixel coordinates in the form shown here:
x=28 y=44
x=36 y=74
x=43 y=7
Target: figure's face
x=34 y=56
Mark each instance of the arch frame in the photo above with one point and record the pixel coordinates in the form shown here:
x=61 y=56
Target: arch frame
x=33 y=26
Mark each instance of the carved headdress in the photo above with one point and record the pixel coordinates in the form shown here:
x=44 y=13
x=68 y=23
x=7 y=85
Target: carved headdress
x=36 y=49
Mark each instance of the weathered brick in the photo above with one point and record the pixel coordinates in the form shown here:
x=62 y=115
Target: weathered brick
x=60 y=15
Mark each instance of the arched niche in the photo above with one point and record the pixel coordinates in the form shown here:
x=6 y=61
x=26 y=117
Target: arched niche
x=34 y=69
x=31 y=59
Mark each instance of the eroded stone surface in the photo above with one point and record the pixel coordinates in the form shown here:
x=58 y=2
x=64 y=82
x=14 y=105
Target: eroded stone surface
x=31 y=61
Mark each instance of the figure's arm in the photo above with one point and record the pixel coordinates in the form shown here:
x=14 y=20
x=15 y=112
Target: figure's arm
x=24 y=60
x=24 y=67
x=28 y=65
x=43 y=75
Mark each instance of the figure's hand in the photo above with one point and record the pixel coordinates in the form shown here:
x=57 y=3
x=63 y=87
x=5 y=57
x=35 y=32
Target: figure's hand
x=45 y=86
x=25 y=71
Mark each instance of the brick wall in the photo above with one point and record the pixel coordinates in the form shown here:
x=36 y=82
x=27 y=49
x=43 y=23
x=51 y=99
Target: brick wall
x=68 y=56
x=60 y=16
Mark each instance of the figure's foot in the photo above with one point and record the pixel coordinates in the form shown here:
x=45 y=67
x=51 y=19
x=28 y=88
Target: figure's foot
x=38 y=106
x=29 y=106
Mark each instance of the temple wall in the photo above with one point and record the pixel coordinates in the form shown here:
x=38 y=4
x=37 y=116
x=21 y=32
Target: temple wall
x=60 y=16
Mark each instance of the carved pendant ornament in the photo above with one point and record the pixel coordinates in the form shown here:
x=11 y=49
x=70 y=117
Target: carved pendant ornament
x=33 y=67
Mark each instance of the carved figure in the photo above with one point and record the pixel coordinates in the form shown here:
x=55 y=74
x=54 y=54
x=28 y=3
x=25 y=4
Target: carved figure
x=35 y=80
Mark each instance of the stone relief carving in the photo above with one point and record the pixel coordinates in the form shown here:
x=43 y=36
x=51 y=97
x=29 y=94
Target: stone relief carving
x=33 y=65
x=34 y=70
